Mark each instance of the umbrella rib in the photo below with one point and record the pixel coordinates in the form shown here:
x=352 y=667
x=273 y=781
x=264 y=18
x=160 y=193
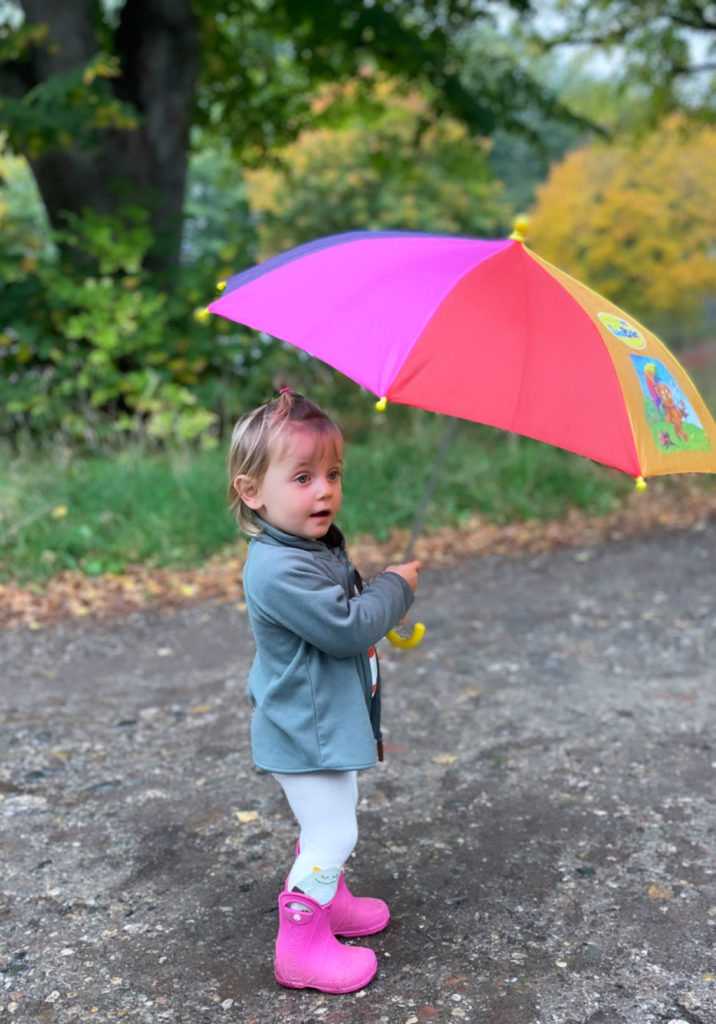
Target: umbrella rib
x=523 y=348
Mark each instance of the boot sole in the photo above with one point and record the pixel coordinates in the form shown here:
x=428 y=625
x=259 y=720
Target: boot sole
x=333 y=990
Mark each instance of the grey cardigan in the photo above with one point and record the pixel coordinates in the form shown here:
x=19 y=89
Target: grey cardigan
x=310 y=682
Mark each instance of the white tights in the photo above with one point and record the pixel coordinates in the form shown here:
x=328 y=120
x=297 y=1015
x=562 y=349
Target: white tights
x=324 y=804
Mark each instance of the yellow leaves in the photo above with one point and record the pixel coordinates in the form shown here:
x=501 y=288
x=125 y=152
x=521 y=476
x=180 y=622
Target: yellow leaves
x=636 y=223
x=59 y=512
x=104 y=65
x=445 y=759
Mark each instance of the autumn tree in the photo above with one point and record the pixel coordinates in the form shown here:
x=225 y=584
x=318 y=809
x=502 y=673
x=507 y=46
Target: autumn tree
x=637 y=223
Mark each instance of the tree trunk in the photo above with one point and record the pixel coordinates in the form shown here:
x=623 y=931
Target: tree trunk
x=157 y=43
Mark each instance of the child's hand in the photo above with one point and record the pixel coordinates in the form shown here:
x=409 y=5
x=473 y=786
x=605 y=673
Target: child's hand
x=409 y=571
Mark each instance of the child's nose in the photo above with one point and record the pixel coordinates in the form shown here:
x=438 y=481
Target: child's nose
x=327 y=485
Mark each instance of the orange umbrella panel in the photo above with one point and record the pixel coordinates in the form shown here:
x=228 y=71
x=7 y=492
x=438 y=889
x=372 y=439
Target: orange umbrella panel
x=673 y=429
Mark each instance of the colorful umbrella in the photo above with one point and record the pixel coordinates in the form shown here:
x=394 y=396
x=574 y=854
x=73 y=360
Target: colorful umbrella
x=487 y=331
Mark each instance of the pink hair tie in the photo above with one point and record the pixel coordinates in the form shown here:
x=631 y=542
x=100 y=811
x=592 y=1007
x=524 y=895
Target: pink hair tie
x=283 y=391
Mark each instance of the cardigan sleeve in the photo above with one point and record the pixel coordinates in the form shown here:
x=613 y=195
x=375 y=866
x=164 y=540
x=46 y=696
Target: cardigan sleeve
x=305 y=600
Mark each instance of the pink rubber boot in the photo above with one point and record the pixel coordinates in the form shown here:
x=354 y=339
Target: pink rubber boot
x=356 y=915
x=352 y=916
x=308 y=955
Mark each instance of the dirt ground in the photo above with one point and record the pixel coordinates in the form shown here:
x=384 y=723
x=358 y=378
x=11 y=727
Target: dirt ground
x=543 y=827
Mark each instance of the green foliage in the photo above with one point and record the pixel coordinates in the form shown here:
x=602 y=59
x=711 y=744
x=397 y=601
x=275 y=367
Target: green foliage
x=88 y=353
x=388 y=161
x=487 y=472
x=219 y=227
x=96 y=354
x=102 y=513
x=64 y=108
x=263 y=61
x=23 y=221
x=75 y=98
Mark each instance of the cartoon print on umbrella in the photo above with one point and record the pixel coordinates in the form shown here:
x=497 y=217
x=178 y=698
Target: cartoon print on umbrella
x=669 y=414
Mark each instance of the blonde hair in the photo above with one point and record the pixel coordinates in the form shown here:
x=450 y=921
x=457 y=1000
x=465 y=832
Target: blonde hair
x=252 y=439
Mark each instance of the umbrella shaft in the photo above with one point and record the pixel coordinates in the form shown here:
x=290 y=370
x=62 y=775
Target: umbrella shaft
x=419 y=522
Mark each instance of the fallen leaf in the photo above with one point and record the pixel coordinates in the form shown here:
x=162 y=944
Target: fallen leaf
x=445 y=758
x=246 y=816
x=657 y=891
x=469 y=695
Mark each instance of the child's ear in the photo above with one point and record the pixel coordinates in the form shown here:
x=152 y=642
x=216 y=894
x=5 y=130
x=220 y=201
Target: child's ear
x=247 y=489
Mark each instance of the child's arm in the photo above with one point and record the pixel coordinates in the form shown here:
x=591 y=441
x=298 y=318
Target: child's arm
x=316 y=609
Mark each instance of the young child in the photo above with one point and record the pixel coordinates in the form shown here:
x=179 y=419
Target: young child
x=313 y=683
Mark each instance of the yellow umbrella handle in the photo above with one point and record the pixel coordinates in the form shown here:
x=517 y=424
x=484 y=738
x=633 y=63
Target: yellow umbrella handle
x=407 y=641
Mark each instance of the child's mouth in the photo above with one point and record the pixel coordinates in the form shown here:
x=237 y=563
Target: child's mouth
x=320 y=515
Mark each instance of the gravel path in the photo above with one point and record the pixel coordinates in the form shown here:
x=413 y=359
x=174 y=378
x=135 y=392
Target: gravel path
x=543 y=828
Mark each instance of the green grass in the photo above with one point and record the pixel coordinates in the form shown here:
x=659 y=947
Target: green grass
x=502 y=477
x=99 y=514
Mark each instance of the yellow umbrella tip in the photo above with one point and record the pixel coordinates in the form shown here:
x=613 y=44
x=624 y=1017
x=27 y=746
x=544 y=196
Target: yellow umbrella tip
x=381 y=404
x=519 y=227
x=220 y=285
x=640 y=483
x=201 y=314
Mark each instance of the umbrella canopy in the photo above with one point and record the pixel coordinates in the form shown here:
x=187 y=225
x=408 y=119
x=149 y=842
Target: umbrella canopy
x=487 y=331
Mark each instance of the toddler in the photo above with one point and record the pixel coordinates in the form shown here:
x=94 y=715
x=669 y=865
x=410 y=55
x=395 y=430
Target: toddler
x=314 y=683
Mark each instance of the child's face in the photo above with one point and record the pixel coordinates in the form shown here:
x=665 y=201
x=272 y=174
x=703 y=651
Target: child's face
x=301 y=491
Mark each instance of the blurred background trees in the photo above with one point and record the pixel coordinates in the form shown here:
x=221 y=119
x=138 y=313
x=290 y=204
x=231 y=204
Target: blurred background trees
x=152 y=147
x=638 y=221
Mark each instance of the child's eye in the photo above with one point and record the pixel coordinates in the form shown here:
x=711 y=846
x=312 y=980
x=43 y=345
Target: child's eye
x=302 y=478
x=335 y=474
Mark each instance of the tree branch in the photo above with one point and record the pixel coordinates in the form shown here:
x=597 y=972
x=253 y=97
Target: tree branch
x=698 y=21
x=694 y=69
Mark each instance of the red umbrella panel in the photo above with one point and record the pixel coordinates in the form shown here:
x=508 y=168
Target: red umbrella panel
x=484 y=330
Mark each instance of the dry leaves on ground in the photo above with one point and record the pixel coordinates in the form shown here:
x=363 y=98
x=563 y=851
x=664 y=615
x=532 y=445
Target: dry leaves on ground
x=679 y=504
